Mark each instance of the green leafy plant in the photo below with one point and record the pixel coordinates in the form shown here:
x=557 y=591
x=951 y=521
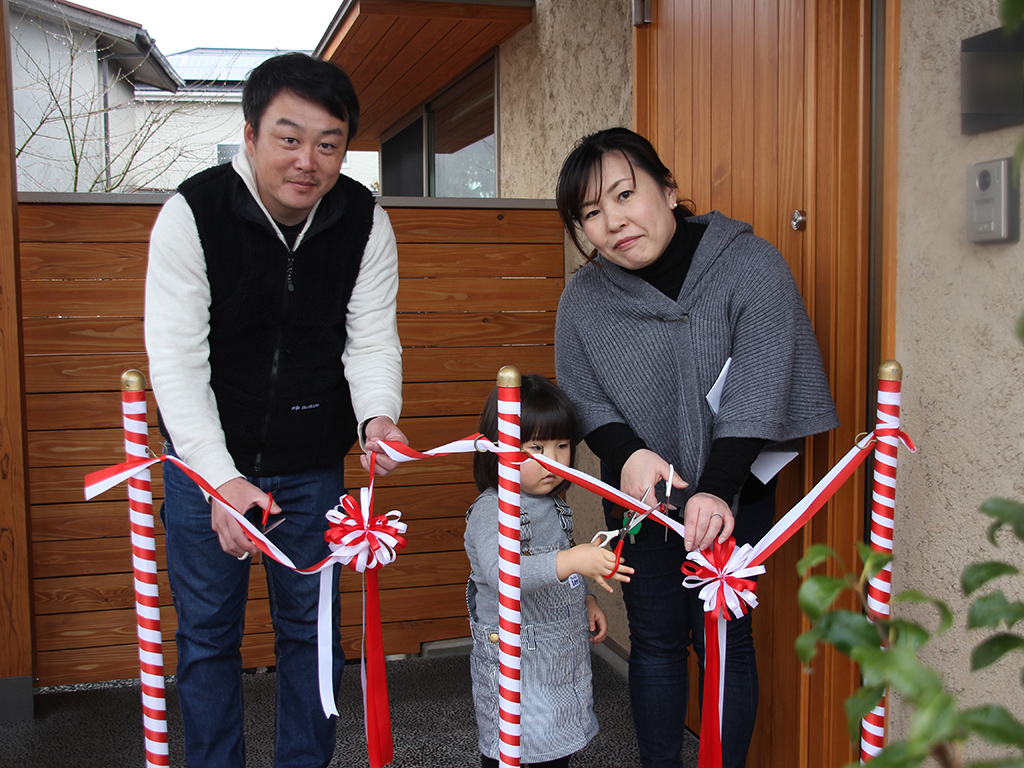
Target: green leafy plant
x=886 y=648
x=887 y=651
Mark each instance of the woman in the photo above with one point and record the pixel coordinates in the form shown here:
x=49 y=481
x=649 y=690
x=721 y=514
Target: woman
x=667 y=305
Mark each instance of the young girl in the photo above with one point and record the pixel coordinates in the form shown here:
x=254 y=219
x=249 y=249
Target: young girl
x=559 y=617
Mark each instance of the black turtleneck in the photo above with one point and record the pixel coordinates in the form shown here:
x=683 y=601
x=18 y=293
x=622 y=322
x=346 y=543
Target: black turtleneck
x=668 y=273
x=728 y=465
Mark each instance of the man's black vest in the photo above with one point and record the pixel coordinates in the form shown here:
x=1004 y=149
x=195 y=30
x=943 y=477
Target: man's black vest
x=277 y=322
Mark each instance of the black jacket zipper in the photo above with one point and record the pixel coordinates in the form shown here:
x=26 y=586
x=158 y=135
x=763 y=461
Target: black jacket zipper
x=275 y=367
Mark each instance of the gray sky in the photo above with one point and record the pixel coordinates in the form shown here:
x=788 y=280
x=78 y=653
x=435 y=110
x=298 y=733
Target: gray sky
x=182 y=24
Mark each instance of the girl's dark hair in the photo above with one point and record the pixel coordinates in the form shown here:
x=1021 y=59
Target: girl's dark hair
x=584 y=165
x=320 y=82
x=547 y=414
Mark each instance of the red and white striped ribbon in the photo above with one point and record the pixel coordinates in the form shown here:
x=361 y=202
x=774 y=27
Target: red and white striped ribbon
x=380 y=534
x=883 y=507
x=147 y=600
x=509 y=617
x=782 y=531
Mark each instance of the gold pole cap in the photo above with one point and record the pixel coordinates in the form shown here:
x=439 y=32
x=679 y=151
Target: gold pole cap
x=509 y=377
x=890 y=370
x=133 y=381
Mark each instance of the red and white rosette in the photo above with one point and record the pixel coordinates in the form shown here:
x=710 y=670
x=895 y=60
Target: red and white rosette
x=365 y=543
x=360 y=541
x=723 y=574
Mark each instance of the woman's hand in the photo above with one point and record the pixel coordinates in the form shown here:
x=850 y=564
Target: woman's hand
x=596 y=563
x=644 y=469
x=706 y=517
x=598 y=621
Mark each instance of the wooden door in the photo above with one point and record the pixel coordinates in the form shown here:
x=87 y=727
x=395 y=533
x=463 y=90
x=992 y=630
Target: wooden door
x=760 y=108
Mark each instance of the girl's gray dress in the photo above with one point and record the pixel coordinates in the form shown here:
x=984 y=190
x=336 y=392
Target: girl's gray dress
x=557 y=701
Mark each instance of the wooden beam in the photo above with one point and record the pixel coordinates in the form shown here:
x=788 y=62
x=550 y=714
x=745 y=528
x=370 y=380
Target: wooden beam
x=15 y=581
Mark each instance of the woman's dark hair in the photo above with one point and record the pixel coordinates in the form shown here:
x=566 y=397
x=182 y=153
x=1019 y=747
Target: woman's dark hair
x=311 y=79
x=547 y=414
x=584 y=165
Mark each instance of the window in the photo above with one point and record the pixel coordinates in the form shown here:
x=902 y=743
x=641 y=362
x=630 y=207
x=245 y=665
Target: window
x=462 y=158
x=225 y=152
x=401 y=158
x=449 y=148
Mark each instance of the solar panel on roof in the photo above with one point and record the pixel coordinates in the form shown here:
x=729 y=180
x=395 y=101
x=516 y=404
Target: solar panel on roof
x=219 y=64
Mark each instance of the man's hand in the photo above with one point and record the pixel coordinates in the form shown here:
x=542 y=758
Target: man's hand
x=242 y=495
x=381 y=428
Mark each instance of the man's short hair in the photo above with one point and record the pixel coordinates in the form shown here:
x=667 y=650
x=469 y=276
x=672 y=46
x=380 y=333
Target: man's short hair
x=311 y=79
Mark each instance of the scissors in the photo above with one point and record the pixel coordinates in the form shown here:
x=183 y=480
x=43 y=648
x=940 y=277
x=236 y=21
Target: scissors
x=605 y=538
x=264 y=517
x=632 y=527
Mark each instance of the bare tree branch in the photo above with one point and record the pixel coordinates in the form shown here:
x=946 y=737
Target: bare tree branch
x=76 y=130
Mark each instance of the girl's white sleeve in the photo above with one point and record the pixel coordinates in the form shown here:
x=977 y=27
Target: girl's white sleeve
x=177 y=327
x=373 y=351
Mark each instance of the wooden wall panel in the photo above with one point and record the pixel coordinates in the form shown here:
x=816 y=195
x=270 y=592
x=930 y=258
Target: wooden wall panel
x=478 y=290
x=89 y=665
x=77 y=260
x=60 y=223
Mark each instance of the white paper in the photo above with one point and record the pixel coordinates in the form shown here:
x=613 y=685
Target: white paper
x=769 y=463
x=714 y=395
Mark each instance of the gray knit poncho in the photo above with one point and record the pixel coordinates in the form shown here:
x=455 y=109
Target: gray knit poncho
x=626 y=353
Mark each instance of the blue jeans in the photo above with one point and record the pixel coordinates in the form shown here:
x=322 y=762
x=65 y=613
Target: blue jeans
x=665 y=618
x=210 y=589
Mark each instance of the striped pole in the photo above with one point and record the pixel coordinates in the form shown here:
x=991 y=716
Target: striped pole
x=147 y=602
x=509 y=660
x=883 y=507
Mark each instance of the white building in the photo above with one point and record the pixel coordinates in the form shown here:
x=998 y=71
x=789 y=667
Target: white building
x=75 y=71
x=99 y=108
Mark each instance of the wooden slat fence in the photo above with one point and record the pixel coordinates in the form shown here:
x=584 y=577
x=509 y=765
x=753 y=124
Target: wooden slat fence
x=478 y=290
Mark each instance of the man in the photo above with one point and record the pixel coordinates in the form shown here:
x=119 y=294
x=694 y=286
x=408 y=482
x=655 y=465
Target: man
x=272 y=341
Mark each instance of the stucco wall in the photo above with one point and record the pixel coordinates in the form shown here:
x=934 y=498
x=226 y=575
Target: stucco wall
x=963 y=401
x=567 y=74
